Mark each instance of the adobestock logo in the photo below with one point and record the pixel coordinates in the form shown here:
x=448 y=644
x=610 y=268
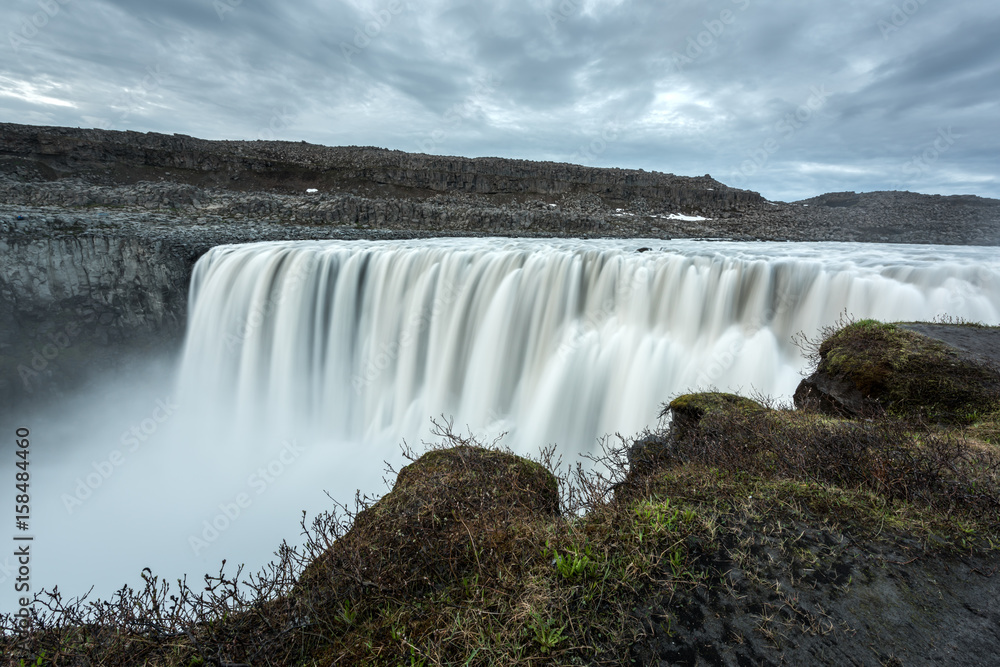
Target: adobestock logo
x=920 y=164
x=48 y=353
x=697 y=44
x=131 y=440
x=371 y=29
x=258 y=482
x=900 y=16
x=38 y=21
x=784 y=130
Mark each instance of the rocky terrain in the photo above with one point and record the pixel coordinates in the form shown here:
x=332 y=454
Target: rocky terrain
x=258 y=189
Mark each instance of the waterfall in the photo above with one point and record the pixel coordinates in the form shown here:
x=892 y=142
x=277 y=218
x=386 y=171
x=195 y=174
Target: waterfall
x=306 y=363
x=552 y=340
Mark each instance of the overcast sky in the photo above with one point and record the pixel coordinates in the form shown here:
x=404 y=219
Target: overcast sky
x=791 y=99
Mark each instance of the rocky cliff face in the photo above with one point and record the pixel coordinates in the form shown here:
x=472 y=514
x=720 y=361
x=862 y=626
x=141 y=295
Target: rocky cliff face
x=83 y=290
x=370 y=188
x=71 y=304
x=48 y=153
x=895 y=216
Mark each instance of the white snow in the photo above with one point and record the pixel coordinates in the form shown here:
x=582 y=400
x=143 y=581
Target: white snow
x=685 y=218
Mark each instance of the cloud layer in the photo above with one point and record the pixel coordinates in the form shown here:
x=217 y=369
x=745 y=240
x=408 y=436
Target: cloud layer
x=788 y=99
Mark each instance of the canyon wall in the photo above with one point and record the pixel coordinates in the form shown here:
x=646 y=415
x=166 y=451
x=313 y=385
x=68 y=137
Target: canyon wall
x=71 y=305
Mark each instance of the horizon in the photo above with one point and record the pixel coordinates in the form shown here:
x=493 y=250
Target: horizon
x=791 y=102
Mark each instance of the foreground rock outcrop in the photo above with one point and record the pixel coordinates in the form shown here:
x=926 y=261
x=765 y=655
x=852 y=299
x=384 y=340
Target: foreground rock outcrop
x=908 y=370
x=445 y=510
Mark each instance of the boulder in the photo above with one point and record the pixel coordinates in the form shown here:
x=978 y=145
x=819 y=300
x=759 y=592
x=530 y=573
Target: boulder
x=907 y=370
x=687 y=413
x=448 y=512
x=829 y=395
x=688 y=410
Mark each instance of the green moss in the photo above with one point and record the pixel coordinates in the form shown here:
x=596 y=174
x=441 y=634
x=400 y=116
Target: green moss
x=909 y=374
x=728 y=495
x=688 y=410
x=702 y=403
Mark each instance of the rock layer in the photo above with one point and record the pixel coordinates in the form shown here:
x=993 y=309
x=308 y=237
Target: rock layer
x=373 y=188
x=69 y=305
x=52 y=152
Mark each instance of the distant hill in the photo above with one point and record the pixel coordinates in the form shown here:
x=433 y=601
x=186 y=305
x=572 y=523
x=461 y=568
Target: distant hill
x=269 y=182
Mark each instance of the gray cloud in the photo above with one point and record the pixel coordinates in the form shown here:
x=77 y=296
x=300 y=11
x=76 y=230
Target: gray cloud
x=788 y=99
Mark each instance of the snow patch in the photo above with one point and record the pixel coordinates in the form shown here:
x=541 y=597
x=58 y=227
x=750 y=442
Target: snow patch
x=685 y=218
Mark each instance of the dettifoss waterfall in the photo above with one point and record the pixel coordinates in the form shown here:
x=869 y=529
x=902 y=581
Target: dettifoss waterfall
x=553 y=341
x=306 y=364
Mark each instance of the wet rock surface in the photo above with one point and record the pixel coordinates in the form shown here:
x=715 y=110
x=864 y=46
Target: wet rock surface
x=861 y=605
x=830 y=395
x=979 y=344
x=808 y=572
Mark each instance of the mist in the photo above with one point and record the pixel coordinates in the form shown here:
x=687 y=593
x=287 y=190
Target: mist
x=307 y=364
x=125 y=478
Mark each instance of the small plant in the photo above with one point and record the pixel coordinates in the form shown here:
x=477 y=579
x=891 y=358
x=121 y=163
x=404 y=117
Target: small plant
x=657 y=516
x=677 y=565
x=39 y=661
x=347 y=613
x=415 y=659
x=575 y=564
x=546 y=633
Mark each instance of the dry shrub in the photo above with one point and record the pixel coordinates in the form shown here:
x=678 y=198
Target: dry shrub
x=453 y=557
x=901 y=460
x=162 y=624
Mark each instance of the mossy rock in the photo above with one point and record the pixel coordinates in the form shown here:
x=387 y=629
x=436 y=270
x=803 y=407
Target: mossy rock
x=687 y=413
x=688 y=410
x=447 y=513
x=903 y=372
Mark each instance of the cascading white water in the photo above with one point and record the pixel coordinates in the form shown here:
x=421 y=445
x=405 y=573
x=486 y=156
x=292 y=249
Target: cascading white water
x=553 y=340
x=306 y=362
